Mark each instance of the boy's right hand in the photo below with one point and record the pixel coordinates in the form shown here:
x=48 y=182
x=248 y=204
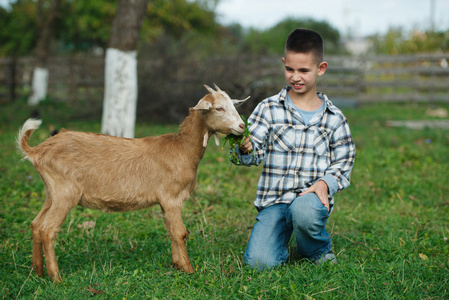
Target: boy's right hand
x=246 y=146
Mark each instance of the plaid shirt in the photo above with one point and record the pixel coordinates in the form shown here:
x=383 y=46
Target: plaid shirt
x=296 y=155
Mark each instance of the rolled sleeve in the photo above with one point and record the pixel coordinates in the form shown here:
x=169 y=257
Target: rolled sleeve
x=332 y=184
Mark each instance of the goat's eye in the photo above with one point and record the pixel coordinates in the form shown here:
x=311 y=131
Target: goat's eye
x=219 y=109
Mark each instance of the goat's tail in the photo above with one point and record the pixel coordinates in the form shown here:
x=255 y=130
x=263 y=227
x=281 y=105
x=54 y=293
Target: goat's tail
x=24 y=136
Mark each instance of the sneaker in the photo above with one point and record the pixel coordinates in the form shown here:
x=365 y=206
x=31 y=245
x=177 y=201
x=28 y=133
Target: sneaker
x=327 y=258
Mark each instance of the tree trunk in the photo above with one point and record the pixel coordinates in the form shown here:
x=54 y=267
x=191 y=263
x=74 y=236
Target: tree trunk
x=39 y=86
x=120 y=95
x=46 y=20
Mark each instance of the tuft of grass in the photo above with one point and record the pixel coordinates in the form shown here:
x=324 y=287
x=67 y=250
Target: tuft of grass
x=389 y=229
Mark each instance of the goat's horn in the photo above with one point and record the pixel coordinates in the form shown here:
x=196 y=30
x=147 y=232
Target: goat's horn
x=239 y=102
x=217 y=88
x=209 y=89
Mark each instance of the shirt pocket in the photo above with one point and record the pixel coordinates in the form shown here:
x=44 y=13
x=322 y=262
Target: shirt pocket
x=321 y=142
x=284 y=138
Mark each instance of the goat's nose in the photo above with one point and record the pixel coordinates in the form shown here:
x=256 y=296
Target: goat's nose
x=242 y=126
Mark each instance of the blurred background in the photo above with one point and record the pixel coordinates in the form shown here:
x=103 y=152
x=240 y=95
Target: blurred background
x=378 y=51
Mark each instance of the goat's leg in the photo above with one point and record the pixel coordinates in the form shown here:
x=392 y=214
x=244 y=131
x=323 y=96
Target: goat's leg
x=38 y=258
x=53 y=220
x=178 y=235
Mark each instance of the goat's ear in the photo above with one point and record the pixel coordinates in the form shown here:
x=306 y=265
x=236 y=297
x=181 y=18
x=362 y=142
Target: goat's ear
x=203 y=105
x=240 y=102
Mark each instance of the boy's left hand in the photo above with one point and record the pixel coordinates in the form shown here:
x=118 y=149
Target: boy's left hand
x=246 y=146
x=321 y=189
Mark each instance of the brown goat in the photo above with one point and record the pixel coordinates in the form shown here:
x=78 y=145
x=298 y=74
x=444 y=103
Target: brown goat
x=119 y=174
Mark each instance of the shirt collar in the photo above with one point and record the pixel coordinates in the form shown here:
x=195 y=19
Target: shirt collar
x=328 y=104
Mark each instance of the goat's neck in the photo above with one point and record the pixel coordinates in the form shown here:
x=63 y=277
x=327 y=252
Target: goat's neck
x=192 y=132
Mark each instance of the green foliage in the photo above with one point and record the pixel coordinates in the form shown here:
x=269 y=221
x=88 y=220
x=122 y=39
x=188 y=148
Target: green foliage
x=177 y=17
x=18 y=28
x=389 y=228
x=397 y=42
x=183 y=25
x=183 y=30
x=237 y=140
x=85 y=24
x=191 y=26
x=272 y=41
x=88 y=23
x=426 y=42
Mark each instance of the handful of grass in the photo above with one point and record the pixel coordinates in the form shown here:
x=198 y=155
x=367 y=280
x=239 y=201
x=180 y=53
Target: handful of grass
x=237 y=140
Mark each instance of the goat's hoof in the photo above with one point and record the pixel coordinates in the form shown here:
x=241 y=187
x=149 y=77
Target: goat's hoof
x=39 y=270
x=184 y=268
x=188 y=269
x=56 y=279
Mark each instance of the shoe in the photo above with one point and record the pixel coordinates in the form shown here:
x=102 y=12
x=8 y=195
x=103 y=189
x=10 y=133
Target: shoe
x=327 y=258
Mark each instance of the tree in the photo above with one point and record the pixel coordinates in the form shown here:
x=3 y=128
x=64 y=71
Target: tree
x=18 y=33
x=18 y=29
x=47 y=12
x=272 y=40
x=396 y=41
x=86 y=24
x=120 y=95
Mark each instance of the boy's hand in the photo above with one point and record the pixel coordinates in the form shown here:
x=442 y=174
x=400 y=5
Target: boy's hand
x=246 y=146
x=321 y=189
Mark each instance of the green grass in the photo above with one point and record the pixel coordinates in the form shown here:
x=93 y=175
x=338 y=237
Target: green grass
x=389 y=229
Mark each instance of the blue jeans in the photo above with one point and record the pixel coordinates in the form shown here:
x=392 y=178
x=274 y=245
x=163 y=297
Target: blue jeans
x=268 y=244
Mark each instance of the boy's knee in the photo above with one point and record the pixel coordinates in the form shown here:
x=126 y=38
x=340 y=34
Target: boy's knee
x=261 y=262
x=306 y=204
x=307 y=210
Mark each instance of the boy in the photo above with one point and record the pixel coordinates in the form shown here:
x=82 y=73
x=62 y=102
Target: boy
x=308 y=154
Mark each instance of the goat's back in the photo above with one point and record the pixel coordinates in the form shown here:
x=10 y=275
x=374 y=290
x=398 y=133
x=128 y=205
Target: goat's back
x=115 y=174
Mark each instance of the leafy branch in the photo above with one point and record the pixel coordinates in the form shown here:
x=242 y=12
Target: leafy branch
x=237 y=140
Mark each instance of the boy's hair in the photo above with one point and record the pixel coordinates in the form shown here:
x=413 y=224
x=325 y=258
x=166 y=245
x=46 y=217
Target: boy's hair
x=304 y=41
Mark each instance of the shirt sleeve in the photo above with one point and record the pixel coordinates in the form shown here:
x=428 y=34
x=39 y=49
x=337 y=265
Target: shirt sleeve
x=342 y=148
x=245 y=159
x=332 y=184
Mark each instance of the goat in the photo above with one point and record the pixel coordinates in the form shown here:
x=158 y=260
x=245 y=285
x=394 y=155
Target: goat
x=119 y=174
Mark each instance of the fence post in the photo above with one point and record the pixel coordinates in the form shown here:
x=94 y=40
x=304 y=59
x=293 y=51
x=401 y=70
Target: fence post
x=360 y=82
x=12 y=78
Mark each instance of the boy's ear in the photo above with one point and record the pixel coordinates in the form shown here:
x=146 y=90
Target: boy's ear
x=322 y=67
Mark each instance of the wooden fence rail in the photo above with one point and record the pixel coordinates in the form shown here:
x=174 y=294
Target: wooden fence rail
x=412 y=78
x=415 y=78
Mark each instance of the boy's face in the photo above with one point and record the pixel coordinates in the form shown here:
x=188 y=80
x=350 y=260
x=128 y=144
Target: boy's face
x=302 y=71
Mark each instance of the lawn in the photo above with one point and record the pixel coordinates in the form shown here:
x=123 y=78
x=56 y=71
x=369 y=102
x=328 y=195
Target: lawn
x=390 y=229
